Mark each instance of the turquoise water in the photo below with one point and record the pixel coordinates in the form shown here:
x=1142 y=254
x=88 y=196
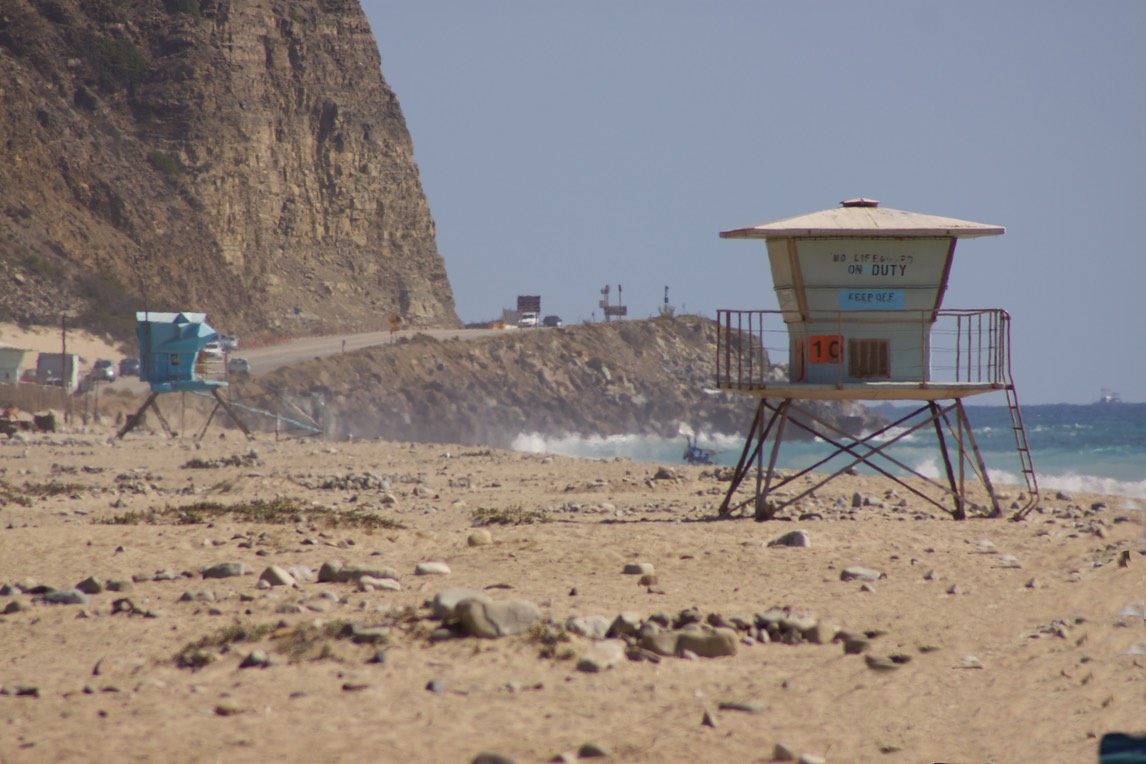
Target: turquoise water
x=1098 y=448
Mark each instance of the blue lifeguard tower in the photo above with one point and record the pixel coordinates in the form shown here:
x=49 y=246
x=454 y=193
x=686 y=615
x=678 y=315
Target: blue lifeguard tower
x=860 y=290
x=173 y=359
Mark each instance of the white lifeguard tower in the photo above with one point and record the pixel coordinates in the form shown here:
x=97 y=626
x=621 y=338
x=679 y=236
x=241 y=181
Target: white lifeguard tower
x=860 y=290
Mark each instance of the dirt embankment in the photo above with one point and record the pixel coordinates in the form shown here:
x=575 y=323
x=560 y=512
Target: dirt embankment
x=631 y=377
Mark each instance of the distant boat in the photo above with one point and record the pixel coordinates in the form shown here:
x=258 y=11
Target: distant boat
x=1109 y=396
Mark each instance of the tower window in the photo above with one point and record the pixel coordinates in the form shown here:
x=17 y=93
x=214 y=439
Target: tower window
x=869 y=359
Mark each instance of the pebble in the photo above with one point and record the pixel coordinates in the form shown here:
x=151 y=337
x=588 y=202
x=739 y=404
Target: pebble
x=276 y=576
x=878 y=663
x=90 y=585
x=602 y=656
x=316 y=605
x=492 y=758
x=368 y=635
x=796 y=538
x=67 y=597
x=430 y=569
x=626 y=624
x=370 y=584
x=592 y=751
x=197 y=597
x=15 y=606
x=591 y=626
x=445 y=602
x=638 y=569
x=858 y=573
x=821 y=634
x=226 y=570
x=497 y=619
x=480 y=537
x=21 y=691
x=781 y=752
x=256 y=659
x=227 y=708
x=333 y=571
x=745 y=707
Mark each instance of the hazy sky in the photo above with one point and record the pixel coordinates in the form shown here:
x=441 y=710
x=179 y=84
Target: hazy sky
x=564 y=147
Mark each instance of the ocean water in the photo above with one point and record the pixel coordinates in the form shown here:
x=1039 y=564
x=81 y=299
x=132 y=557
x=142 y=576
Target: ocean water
x=1099 y=448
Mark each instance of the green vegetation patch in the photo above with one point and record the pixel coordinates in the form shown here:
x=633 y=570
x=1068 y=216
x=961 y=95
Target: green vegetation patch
x=190 y=7
x=165 y=163
x=117 y=63
x=9 y=494
x=277 y=511
x=514 y=515
x=55 y=488
x=308 y=641
x=196 y=655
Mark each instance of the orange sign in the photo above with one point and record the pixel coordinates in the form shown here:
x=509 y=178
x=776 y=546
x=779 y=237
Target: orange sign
x=825 y=348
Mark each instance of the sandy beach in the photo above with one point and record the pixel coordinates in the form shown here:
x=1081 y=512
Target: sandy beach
x=981 y=640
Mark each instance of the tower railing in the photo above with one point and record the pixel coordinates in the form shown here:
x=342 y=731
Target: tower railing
x=955 y=346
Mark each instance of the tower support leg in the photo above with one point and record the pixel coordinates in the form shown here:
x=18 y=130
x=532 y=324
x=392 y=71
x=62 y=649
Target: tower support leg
x=134 y=419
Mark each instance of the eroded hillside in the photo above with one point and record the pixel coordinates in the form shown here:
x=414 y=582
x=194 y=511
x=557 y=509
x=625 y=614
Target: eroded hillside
x=629 y=377
x=243 y=159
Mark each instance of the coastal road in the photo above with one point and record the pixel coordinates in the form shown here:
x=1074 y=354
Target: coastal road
x=270 y=357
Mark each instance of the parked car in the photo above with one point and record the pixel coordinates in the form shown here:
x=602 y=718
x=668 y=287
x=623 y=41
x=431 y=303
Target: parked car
x=212 y=350
x=129 y=367
x=553 y=321
x=238 y=366
x=527 y=320
x=103 y=371
x=229 y=343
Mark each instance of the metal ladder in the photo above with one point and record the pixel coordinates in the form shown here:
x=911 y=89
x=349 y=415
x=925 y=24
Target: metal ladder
x=1024 y=450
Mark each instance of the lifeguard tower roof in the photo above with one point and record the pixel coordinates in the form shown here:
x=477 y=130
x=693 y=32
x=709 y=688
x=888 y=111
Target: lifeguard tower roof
x=864 y=218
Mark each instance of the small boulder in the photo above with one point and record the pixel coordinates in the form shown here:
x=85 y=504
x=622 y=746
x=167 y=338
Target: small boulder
x=796 y=538
x=445 y=602
x=90 y=585
x=66 y=597
x=497 y=619
x=601 y=656
x=276 y=576
x=708 y=644
x=625 y=624
x=479 y=537
x=591 y=626
x=430 y=569
x=334 y=571
x=225 y=570
x=857 y=573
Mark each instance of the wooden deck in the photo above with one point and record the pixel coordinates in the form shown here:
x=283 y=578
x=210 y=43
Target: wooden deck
x=868 y=391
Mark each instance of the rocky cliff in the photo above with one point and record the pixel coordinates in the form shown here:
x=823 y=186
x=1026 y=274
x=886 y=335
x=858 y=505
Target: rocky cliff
x=626 y=377
x=245 y=159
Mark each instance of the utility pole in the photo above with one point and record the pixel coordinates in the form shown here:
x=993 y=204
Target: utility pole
x=64 y=367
